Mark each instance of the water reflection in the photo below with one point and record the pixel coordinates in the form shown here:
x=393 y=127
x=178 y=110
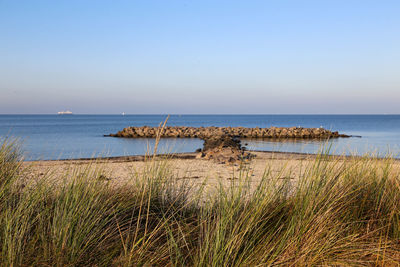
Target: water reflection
x=339 y=146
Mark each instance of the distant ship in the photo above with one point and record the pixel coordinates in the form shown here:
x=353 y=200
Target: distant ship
x=67 y=112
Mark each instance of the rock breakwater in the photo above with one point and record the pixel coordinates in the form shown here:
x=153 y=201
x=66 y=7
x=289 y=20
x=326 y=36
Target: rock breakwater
x=241 y=132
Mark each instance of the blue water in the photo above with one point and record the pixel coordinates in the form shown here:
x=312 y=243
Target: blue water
x=77 y=136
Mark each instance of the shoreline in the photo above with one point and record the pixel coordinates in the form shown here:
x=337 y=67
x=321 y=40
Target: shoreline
x=192 y=155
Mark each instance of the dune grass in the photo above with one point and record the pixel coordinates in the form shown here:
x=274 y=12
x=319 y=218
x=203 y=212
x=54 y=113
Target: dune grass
x=337 y=214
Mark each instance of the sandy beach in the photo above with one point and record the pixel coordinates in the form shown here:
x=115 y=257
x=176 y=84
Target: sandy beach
x=185 y=167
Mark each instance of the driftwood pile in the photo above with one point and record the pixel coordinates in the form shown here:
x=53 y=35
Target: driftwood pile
x=224 y=149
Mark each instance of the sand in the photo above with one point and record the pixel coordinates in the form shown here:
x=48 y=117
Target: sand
x=187 y=168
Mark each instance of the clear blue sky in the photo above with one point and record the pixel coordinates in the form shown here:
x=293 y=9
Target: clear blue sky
x=201 y=56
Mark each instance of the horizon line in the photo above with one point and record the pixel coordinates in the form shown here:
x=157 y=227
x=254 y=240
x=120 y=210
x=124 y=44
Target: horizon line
x=199 y=114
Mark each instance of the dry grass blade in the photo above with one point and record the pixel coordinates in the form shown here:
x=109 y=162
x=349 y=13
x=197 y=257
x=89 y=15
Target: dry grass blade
x=339 y=213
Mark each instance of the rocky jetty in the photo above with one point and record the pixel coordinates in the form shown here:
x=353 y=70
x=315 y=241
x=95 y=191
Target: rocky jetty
x=241 y=132
x=222 y=144
x=224 y=149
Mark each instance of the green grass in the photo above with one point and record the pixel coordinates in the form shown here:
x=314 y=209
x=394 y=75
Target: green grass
x=337 y=214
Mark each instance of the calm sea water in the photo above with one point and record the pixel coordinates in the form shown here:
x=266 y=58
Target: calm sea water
x=77 y=136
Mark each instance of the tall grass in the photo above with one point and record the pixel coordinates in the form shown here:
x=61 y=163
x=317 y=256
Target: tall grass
x=337 y=213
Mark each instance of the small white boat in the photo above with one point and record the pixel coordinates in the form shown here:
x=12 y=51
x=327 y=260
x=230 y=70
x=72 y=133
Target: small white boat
x=67 y=112
x=123 y=113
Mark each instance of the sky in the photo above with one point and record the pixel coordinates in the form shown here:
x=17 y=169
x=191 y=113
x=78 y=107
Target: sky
x=200 y=57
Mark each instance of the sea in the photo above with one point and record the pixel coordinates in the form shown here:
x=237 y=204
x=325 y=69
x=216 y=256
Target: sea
x=50 y=137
